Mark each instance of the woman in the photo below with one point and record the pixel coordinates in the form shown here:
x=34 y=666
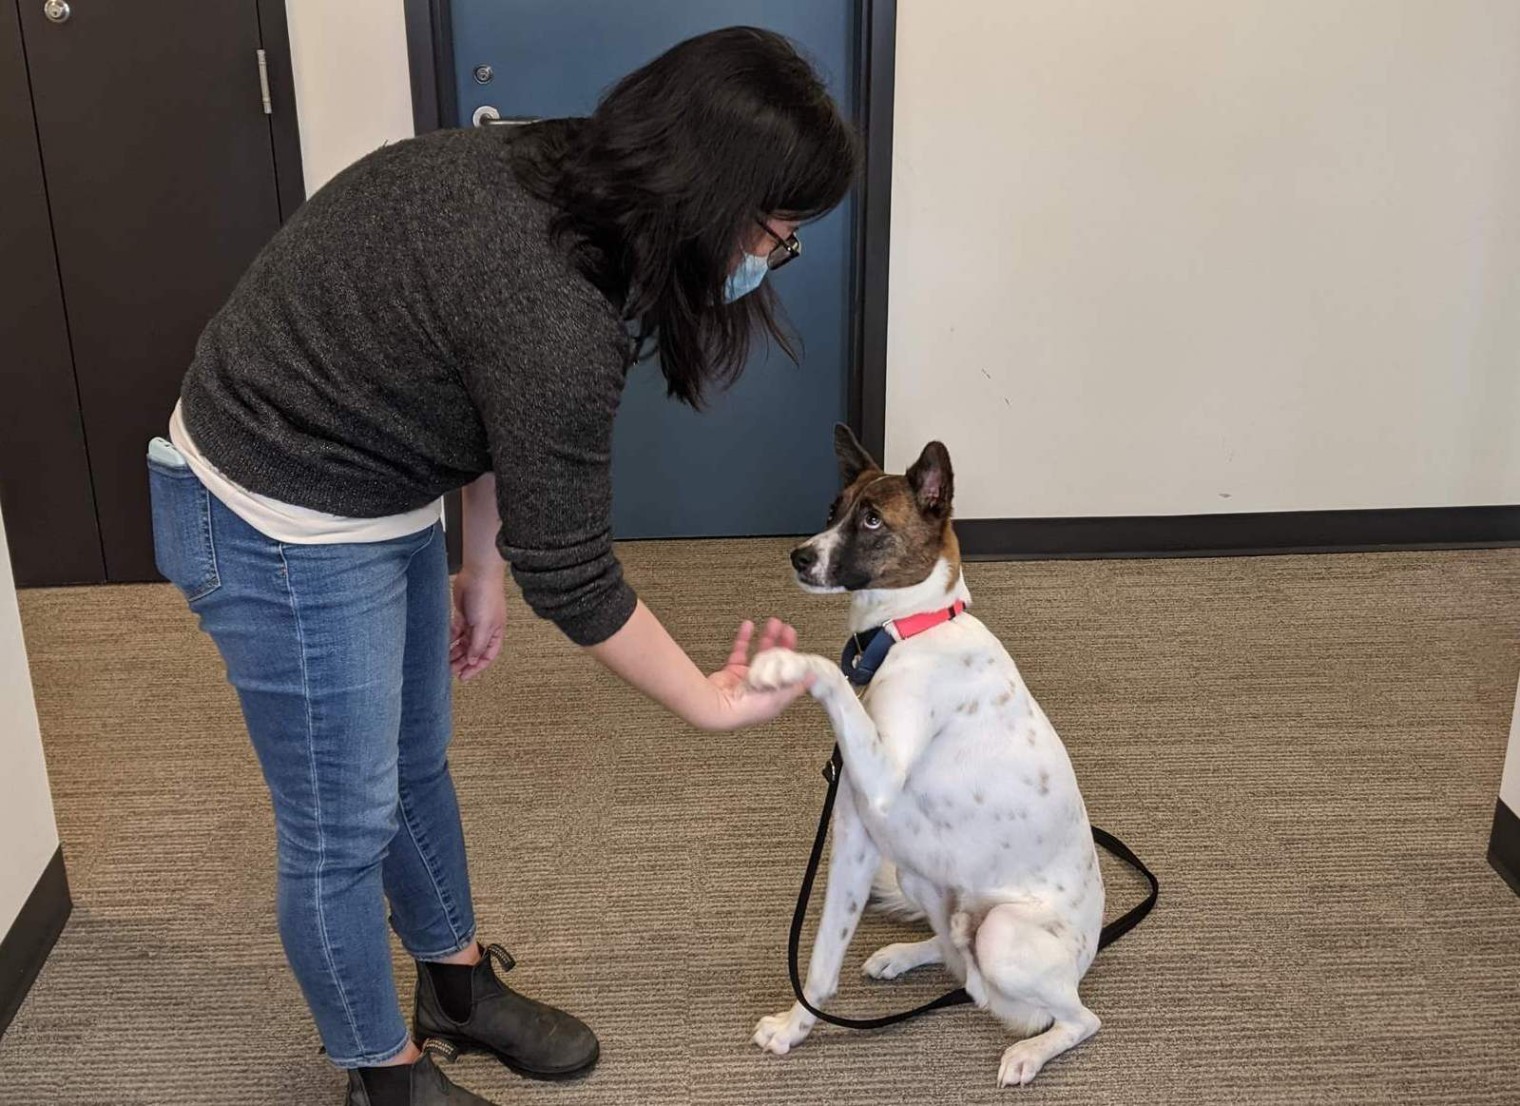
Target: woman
x=460 y=310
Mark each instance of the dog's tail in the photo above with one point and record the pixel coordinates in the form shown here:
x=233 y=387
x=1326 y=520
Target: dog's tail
x=887 y=896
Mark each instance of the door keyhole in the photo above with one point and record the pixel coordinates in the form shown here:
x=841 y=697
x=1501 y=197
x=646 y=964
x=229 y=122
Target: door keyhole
x=56 y=10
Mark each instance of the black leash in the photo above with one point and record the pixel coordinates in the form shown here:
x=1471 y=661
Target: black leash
x=958 y=997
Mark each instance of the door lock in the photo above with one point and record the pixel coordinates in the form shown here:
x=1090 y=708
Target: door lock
x=57 y=10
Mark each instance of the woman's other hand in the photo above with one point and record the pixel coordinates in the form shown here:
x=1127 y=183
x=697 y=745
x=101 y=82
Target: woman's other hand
x=479 y=620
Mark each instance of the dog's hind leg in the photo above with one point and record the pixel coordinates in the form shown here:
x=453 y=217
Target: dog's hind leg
x=890 y=900
x=1022 y=965
x=938 y=907
x=852 y=863
x=894 y=960
x=1072 y=1024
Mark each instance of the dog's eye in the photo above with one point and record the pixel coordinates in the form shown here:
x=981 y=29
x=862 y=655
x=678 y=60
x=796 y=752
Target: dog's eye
x=871 y=521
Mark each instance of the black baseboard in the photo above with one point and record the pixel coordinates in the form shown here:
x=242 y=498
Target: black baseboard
x=25 y=948
x=1504 y=845
x=1236 y=535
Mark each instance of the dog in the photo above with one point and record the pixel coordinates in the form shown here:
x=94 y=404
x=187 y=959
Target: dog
x=957 y=800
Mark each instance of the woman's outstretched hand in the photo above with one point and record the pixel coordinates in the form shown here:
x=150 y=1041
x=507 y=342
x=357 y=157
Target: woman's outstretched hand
x=739 y=705
x=646 y=656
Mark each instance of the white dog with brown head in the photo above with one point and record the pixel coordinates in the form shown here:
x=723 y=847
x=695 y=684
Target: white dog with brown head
x=955 y=785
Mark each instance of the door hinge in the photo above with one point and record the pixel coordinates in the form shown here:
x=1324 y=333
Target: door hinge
x=264 y=82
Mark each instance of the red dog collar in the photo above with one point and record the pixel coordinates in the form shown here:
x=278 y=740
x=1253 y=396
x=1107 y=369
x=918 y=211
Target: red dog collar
x=864 y=652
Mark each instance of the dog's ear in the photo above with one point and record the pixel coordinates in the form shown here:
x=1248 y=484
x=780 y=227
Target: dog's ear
x=932 y=481
x=853 y=458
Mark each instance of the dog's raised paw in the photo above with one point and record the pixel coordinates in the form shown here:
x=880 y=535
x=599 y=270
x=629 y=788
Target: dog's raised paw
x=1021 y=1063
x=777 y=668
x=780 y=1033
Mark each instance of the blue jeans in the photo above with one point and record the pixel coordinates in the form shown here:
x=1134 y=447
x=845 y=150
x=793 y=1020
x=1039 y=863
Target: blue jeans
x=339 y=654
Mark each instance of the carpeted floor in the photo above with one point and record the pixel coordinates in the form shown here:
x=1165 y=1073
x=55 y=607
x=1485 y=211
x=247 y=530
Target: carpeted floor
x=1307 y=750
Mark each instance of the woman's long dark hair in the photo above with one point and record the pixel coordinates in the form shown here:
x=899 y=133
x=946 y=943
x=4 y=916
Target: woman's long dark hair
x=657 y=188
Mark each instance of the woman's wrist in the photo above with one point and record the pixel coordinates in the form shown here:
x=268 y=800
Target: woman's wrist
x=480 y=524
x=645 y=656
x=706 y=710
x=484 y=568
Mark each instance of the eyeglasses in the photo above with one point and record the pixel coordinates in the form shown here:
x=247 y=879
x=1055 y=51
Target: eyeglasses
x=785 y=250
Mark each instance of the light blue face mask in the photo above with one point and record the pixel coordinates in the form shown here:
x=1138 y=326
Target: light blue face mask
x=746 y=278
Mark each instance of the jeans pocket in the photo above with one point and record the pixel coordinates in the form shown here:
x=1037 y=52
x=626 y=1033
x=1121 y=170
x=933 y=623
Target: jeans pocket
x=183 y=548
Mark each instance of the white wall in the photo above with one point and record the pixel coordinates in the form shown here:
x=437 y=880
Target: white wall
x=28 y=836
x=353 y=92
x=1177 y=256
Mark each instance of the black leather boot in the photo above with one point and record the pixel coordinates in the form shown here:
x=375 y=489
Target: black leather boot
x=429 y=1087
x=529 y=1037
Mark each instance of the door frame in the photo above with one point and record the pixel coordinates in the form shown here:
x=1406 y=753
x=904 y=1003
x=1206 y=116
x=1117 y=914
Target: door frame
x=284 y=122
x=430 y=58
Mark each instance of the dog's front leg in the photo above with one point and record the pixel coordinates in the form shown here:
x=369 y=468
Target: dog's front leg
x=876 y=775
x=852 y=865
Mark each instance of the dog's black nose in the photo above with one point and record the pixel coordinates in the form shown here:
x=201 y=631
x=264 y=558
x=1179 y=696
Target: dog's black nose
x=804 y=557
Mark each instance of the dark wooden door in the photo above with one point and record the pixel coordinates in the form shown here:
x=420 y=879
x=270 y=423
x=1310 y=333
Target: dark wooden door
x=44 y=471
x=162 y=188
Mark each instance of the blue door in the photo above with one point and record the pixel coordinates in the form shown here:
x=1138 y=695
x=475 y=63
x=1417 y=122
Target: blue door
x=759 y=460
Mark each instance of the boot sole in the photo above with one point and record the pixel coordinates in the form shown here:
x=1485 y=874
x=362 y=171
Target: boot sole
x=463 y=1045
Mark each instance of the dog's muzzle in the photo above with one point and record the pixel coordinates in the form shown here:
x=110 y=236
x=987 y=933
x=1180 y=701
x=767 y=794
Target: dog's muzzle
x=811 y=563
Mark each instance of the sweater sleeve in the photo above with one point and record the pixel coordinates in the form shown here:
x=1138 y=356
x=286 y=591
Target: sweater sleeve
x=545 y=372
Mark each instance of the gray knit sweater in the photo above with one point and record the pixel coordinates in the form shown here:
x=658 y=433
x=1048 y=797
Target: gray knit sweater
x=411 y=328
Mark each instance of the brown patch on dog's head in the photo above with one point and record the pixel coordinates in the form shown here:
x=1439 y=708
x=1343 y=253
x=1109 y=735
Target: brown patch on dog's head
x=884 y=531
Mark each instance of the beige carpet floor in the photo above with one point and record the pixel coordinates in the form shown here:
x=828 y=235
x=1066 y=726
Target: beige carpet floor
x=1306 y=749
